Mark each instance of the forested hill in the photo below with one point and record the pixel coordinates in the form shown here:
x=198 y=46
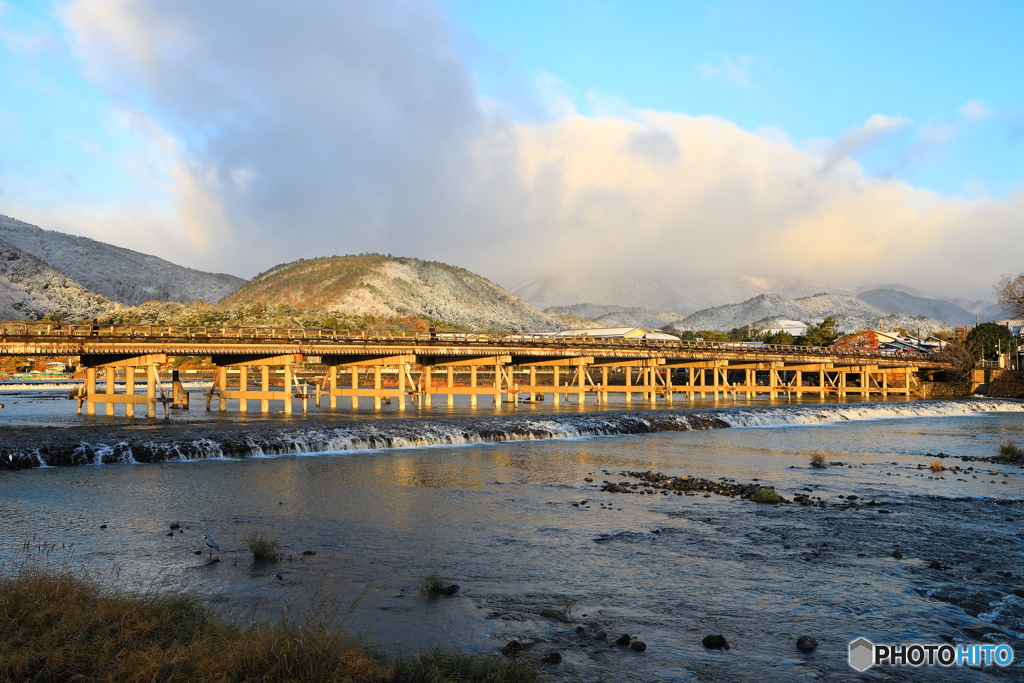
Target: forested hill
x=386 y=286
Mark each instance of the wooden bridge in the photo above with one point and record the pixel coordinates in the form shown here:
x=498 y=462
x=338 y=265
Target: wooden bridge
x=415 y=369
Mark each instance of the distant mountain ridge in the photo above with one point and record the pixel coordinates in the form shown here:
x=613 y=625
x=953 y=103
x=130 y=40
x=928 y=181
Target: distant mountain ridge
x=683 y=296
x=765 y=310
x=385 y=286
x=594 y=315
x=121 y=275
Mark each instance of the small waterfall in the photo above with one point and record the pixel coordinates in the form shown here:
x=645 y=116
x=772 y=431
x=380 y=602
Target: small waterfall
x=173 y=444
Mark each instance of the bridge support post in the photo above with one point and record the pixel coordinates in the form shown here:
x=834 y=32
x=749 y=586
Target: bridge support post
x=90 y=391
x=151 y=380
x=427 y=382
x=629 y=381
x=332 y=383
x=402 y=370
x=451 y=385
x=243 y=386
x=472 y=384
x=265 y=388
x=129 y=390
x=497 y=385
x=378 y=384
x=555 y=397
x=287 y=389
x=108 y=388
x=581 y=377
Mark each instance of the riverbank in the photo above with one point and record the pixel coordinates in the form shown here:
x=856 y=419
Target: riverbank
x=58 y=627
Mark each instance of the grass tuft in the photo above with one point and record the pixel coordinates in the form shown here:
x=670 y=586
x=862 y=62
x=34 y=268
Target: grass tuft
x=263 y=549
x=1009 y=451
x=937 y=466
x=434 y=583
x=57 y=627
x=566 y=605
x=766 y=495
x=818 y=460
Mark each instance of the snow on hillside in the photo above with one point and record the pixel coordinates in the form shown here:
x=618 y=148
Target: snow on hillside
x=662 y=292
x=895 y=301
x=30 y=289
x=763 y=311
x=122 y=275
x=615 y=316
x=395 y=287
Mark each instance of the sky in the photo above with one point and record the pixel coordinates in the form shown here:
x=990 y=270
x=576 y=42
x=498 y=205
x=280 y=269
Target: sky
x=845 y=142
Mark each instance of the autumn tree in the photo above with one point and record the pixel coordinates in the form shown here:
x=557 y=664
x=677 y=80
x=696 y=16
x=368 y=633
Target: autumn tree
x=1010 y=291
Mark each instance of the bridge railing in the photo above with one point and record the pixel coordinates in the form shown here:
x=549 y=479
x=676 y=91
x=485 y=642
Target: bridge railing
x=40 y=332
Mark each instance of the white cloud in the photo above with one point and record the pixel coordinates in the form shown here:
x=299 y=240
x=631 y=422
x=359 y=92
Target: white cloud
x=734 y=71
x=877 y=128
x=975 y=109
x=341 y=127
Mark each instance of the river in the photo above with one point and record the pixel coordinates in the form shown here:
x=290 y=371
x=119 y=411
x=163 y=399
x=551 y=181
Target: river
x=510 y=506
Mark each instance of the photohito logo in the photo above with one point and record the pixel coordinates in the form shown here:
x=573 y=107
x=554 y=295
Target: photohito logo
x=864 y=654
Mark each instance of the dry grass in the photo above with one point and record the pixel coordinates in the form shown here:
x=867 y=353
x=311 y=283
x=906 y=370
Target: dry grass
x=937 y=466
x=818 y=460
x=263 y=549
x=1009 y=451
x=56 y=627
x=766 y=495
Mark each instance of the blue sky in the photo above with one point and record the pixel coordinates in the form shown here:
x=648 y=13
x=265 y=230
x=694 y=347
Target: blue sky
x=233 y=135
x=810 y=69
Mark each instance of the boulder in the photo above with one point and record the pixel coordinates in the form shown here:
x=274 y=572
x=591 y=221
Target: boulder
x=806 y=644
x=715 y=642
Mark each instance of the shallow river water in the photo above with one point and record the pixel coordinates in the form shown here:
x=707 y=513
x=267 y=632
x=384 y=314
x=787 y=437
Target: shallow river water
x=517 y=525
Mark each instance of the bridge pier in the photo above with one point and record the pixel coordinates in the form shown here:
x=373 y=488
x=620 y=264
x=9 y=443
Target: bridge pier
x=89 y=395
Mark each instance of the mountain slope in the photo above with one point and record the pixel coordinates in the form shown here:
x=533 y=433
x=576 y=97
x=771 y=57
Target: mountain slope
x=663 y=293
x=614 y=316
x=851 y=314
x=30 y=289
x=122 y=275
x=371 y=284
x=895 y=301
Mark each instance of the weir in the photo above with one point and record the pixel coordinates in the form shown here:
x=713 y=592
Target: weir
x=263 y=367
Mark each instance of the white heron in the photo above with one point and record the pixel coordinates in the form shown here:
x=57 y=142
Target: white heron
x=211 y=544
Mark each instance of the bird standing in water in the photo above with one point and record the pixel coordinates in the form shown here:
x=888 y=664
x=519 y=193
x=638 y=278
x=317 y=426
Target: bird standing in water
x=211 y=544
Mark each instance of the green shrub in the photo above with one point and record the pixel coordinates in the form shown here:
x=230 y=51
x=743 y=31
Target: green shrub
x=818 y=460
x=263 y=549
x=766 y=495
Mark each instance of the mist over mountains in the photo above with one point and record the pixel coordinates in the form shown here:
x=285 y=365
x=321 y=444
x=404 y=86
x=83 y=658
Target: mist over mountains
x=44 y=272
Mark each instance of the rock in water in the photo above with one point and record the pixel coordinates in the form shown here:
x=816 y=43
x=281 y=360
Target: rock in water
x=623 y=639
x=717 y=642
x=451 y=589
x=552 y=658
x=600 y=635
x=512 y=648
x=638 y=646
x=806 y=644
x=897 y=554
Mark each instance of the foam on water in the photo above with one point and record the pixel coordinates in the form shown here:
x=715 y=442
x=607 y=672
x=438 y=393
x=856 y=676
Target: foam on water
x=170 y=445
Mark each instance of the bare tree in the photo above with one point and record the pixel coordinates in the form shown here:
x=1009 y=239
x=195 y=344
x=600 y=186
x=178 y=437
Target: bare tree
x=962 y=355
x=1010 y=291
